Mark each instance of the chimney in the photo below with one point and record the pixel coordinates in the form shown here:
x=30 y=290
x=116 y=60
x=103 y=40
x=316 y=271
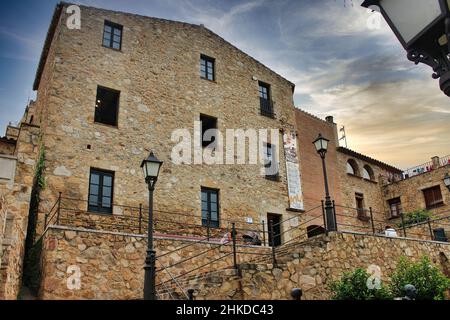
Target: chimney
x=329 y=119
x=436 y=162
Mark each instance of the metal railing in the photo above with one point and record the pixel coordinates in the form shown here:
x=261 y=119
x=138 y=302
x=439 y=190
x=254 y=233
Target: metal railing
x=425 y=167
x=349 y=219
x=228 y=247
x=266 y=107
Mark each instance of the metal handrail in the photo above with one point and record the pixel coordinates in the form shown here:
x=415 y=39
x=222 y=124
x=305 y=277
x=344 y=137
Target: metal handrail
x=175 y=280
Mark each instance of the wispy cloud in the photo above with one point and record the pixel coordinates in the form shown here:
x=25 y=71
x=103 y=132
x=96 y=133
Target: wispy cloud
x=21 y=39
x=391 y=108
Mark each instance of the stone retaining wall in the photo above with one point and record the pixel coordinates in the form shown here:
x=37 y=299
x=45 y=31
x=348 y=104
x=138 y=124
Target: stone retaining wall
x=111 y=264
x=311 y=266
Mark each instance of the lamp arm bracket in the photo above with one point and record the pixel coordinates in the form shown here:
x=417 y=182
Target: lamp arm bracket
x=419 y=56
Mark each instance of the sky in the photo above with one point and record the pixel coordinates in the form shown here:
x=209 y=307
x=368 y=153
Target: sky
x=343 y=58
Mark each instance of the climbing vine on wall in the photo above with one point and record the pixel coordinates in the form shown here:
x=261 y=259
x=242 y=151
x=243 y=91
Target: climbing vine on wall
x=31 y=273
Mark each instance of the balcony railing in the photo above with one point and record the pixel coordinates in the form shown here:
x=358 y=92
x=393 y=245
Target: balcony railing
x=266 y=108
x=425 y=167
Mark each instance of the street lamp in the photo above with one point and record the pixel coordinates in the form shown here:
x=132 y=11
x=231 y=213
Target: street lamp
x=447 y=181
x=321 y=145
x=150 y=167
x=423 y=29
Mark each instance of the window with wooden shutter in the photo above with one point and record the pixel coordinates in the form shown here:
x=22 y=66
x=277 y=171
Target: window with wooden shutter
x=395 y=206
x=433 y=197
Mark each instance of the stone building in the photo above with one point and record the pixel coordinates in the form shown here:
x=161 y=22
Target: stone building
x=17 y=163
x=124 y=85
x=120 y=86
x=355 y=181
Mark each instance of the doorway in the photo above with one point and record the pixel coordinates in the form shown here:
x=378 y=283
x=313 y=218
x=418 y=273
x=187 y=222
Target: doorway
x=275 y=221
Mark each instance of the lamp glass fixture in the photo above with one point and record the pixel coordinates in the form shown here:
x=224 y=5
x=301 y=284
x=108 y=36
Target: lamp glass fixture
x=410 y=17
x=151 y=167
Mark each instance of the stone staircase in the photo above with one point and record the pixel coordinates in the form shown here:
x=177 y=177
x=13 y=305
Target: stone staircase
x=285 y=255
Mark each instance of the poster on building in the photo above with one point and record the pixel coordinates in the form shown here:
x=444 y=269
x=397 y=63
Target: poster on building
x=293 y=171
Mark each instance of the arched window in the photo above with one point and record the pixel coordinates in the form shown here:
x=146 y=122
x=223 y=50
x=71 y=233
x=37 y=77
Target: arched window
x=368 y=173
x=352 y=167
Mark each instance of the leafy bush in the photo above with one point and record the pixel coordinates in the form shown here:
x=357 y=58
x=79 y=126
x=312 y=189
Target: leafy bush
x=353 y=286
x=414 y=217
x=429 y=281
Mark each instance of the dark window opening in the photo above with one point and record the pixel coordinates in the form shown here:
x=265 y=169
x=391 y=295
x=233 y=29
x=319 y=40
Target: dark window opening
x=274 y=223
x=31 y=119
x=107 y=106
x=395 y=207
x=360 y=208
x=207 y=68
x=439 y=235
x=101 y=184
x=268 y=161
x=313 y=231
x=265 y=100
x=208 y=122
x=433 y=197
x=112 y=35
x=210 y=207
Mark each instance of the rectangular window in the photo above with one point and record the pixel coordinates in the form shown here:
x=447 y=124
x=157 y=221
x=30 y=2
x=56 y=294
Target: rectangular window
x=269 y=159
x=274 y=223
x=360 y=208
x=101 y=184
x=265 y=100
x=210 y=207
x=208 y=122
x=433 y=197
x=107 y=106
x=112 y=35
x=207 y=66
x=395 y=207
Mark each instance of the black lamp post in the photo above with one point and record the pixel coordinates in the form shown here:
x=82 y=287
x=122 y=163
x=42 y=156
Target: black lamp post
x=447 y=181
x=423 y=28
x=151 y=167
x=321 y=145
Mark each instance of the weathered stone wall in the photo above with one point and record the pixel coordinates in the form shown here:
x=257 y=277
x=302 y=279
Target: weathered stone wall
x=7 y=146
x=157 y=73
x=370 y=189
x=15 y=202
x=313 y=265
x=12 y=132
x=111 y=264
x=411 y=195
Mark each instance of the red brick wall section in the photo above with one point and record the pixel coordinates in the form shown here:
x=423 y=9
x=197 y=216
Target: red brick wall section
x=308 y=128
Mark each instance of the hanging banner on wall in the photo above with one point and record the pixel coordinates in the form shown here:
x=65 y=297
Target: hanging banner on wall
x=293 y=171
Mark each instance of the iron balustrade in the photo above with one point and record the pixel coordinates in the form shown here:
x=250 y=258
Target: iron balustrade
x=266 y=107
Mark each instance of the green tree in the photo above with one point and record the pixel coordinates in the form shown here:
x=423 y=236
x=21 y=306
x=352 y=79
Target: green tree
x=417 y=216
x=353 y=286
x=429 y=281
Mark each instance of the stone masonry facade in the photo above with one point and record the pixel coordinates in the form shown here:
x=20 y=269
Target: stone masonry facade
x=15 y=196
x=156 y=75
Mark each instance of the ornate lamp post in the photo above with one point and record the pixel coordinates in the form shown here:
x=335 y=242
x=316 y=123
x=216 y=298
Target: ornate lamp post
x=447 y=181
x=423 y=28
x=321 y=145
x=151 y=167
